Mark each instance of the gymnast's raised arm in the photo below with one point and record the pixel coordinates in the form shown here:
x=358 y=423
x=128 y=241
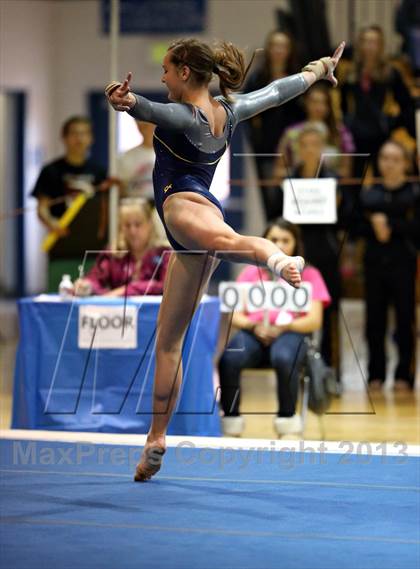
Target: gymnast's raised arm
x=176 y=116
x=179 y=116
x=282 y=90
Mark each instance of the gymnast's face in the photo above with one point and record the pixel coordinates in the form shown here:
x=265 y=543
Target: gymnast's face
x=175 y=78
x=136 y=229
x=283 y=239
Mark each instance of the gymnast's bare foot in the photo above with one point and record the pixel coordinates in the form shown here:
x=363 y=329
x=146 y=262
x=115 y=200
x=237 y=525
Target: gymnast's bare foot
x=151 y=459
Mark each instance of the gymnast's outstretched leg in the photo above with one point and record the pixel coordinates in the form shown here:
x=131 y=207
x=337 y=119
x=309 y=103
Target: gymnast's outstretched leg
x=197 y=224
x=185 y=284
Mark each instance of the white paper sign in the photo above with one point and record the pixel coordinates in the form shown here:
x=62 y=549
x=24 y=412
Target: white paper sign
x=310 y=200
x=266 y=295
x=109 y=327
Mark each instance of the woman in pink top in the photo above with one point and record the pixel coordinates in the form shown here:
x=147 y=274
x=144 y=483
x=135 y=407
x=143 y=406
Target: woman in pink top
x=137 y=264
x=279 y=343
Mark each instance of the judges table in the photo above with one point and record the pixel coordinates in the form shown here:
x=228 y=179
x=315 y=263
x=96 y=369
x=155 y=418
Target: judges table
x=87 y=365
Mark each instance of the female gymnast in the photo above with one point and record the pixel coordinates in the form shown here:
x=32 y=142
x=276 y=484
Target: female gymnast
x=191 y=136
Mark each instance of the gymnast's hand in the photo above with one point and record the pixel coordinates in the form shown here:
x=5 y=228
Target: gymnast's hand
x=119 y=95
x=334 y=62
x=324 y=68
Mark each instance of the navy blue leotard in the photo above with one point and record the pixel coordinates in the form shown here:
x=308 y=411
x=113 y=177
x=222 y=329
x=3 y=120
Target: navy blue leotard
x=187 y=153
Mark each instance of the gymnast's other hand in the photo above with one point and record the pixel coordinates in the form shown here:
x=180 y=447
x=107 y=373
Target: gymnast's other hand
x=119 y=95
x=334 y=62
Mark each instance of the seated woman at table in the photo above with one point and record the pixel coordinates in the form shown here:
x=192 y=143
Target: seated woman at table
x=137 y=264
x=278 y=344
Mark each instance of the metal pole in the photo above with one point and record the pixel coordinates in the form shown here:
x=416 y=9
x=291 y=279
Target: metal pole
x=112 y=122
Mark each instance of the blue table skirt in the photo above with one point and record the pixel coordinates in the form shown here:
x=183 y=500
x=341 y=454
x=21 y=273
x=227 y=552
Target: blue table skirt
x=59 y=386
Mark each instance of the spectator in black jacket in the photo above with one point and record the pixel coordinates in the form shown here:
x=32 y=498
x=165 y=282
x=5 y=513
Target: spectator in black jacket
x=392 y=227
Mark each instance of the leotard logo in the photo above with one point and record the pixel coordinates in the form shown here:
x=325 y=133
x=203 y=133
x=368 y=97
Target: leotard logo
x=167 y=188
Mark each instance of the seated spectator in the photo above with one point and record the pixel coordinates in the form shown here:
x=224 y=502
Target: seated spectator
x=137 y=265
x=392 y=229
x=318 y=109
x=279 y=343
x=135 y=167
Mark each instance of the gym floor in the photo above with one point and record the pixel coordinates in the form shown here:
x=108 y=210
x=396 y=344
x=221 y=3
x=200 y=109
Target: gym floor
x=68 y=499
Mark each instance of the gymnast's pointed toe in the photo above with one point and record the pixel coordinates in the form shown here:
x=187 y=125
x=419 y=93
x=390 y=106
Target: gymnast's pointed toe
x=150 y=463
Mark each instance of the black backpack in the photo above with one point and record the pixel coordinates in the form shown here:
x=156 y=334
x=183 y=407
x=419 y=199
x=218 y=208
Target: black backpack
x=322 y=382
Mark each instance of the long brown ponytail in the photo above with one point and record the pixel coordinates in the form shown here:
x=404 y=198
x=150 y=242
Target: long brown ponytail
x=229 y=66
x=225 y=60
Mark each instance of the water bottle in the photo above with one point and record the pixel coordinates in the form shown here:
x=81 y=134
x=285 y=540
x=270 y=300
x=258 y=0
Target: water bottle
x=66 y=288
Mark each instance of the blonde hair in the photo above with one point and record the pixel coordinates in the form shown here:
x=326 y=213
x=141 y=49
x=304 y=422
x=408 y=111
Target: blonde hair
x=137 y=206
x=314 y=127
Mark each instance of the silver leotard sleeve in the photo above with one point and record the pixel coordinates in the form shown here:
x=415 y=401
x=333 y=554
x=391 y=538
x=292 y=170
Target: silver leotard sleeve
x=276 y=93
x=173 y=116
x=180 y=116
